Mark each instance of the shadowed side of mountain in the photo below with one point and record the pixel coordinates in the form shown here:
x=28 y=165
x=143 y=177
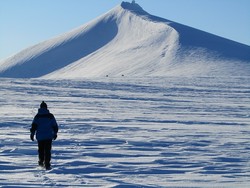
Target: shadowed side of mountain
x=69 y=50
x=191 y=38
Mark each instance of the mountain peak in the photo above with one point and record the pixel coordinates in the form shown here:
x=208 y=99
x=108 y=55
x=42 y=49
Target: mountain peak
x=129 y=41
x=133 y=6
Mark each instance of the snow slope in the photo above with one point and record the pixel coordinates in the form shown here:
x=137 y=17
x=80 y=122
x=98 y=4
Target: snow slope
x=152 y=133
x=129 y=41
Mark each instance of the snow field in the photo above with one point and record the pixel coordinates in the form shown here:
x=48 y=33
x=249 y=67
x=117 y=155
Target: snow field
x=120 y=132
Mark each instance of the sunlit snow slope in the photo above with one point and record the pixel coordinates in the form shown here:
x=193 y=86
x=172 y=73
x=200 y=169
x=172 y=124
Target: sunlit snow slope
x=127 y=41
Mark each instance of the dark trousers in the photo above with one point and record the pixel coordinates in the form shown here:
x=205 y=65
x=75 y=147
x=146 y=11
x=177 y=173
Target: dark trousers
x=44 y=152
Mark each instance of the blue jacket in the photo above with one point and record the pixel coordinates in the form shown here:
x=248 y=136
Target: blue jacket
x=44 y=125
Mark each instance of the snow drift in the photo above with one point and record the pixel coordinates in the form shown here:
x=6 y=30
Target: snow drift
x=129 y=41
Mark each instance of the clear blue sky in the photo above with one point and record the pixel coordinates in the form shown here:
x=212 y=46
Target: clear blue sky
x=27 y=22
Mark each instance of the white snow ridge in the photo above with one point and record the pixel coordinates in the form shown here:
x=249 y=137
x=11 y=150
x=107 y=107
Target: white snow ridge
x=129 y=41
x=141 y=101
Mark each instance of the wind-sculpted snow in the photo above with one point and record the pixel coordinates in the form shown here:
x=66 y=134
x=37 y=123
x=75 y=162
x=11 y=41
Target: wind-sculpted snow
x=161 y=132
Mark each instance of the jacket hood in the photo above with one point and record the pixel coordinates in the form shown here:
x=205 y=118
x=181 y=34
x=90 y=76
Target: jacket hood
x=43 y=111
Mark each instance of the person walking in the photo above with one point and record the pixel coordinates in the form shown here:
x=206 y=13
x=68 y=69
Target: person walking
x=45 y=127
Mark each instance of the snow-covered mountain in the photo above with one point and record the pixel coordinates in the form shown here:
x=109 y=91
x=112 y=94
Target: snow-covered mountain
x=129 y=41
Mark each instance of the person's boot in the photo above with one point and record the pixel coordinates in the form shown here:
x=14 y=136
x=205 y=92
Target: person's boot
x=47 y=166
x=40 y=163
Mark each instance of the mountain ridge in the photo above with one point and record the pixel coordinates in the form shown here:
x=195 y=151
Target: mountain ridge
x=128 y=41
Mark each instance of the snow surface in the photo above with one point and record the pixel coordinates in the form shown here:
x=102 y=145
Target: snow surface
x=158 y=132
x=141 y=101
x=129 y=41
